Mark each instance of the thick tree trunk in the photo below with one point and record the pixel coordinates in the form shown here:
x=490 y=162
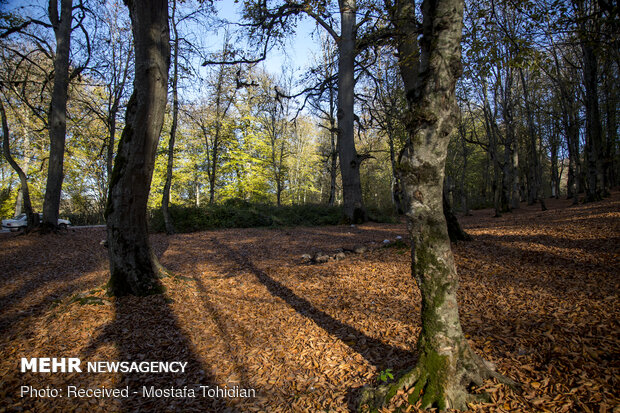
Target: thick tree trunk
x=57 y=118
x=594 y=161
x=446 y=365
x=111 y=141
x=165 y=199
x=354 y=211
x=134 y=269
x=32 y=220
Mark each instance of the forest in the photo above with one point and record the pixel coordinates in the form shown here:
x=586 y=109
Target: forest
x=361 y=205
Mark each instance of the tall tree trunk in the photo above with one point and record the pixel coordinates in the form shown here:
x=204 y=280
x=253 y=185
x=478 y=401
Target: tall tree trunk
x=333 y=172
x=463 y=189
x=536 y=168
x=134 y=269
x=32 y=220
x=446 y=364
x=216 y=138
x=19 y=202
x=57 y=118
x=554 y=148
x=165 y=200
x=496 y=182
x=111 y=140
x=594 y=136
x=571 y=129
x=397 y=198
x=511 y=153
x=611 y=102
x=333 y=139
x=349 y=160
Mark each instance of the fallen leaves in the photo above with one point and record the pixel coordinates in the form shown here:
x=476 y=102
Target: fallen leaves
x=538 y=299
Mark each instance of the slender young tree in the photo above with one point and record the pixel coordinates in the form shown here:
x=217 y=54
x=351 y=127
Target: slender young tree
x=447 y=365
x=348 y=45
x=32 y=219
x=134 y=269
x=165 y=199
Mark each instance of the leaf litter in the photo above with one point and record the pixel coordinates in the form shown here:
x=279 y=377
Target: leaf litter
x=538 y=299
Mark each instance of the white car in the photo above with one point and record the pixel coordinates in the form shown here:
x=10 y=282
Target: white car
x=21 y=222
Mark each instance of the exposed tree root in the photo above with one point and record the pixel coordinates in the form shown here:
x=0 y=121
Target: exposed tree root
x=437 y=383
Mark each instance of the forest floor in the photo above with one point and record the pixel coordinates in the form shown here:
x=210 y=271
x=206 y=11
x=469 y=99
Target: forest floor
x=538 y=298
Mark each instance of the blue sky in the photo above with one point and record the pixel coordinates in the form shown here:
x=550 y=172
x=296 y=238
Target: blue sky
x=300 y=47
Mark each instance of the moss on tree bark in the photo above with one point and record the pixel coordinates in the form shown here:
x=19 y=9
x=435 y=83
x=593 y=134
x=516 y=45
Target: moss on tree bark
x=447 y=367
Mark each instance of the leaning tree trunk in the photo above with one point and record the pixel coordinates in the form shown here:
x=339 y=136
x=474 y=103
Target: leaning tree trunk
x=32 y=219
x=446 y=364
x=349 y=160
x=57 y=119
x=134 y=269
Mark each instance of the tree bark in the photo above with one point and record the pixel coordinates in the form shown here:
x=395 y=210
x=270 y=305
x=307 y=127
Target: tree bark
x=462 y=186
x=165 y=199
x=23 y=180
x=496 y=182
x=57 y=117
x=134 y=269
x=397 y=198
x=594 y=189
x=333 y=172
x=455 y=231
x=446 y=364
x=611 y=102
x=511 y=157
x=536 y=168
x=19 y=202
x=354 y=211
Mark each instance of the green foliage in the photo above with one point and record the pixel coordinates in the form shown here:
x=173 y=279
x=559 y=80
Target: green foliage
x=7 y=203
x=237 y=213
x=85 y=218
x=384 y=214
x=386 y=375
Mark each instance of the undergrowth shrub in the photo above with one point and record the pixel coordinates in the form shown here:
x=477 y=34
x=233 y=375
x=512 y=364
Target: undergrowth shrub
x=236 y=213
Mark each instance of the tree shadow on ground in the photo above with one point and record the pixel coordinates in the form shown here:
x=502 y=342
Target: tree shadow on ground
x=42 y=280
x=147 y=329
x=372 y=349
